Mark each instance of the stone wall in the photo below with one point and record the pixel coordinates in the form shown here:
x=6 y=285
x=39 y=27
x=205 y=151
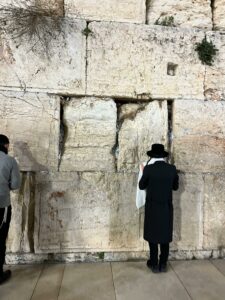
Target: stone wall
x=81 y=119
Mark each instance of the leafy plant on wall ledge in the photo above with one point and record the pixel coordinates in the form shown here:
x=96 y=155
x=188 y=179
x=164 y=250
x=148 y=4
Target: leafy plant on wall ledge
x=35 y=24
x=166 y=21
x=206 y=52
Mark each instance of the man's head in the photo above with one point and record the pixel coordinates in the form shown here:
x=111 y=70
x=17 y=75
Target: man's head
x=4 y=143
x=157 y=151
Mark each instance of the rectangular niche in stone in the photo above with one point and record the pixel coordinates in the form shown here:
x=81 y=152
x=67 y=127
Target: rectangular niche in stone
x=58 y=68
x=130 y=60
x=80 y=212
x=107 y=10
x=186 y=13
x=141 y=125
x=199 y=136
x=31 y=121
x=90 y=125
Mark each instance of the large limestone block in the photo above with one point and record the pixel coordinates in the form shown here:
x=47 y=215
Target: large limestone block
x=107 y=10
x=188 y=213
x=87 y=212
x=215 y=79
x=214 y=208
x=142 y=61
x=142 y=125
x=91 y=134
x=21 y=232
x=218 y=14
x=62 y=70
x=31 y=121
x=199 y=136
x=186 y=13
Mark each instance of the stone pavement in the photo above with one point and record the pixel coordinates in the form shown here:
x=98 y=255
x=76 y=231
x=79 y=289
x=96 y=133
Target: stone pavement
x=196 y=279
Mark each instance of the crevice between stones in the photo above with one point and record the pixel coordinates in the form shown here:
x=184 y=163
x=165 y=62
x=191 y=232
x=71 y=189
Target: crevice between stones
x=63 y=129
x=170 y=130
x=147 y=7
x=86 y=32
x=212 y=4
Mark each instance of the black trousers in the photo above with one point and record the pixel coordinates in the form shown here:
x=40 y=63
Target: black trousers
x=3 y=235
x=164 y=253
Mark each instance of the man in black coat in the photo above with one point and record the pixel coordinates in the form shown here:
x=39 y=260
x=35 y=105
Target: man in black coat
x=159 y=179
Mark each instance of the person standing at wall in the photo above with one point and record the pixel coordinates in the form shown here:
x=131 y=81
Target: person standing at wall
x=9 y=180
x=159 y=180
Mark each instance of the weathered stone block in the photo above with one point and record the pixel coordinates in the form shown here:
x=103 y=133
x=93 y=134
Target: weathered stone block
x=21 y=232
x=125 y=60
x=199 y=136
x=31 y=121
x=218 y=14
x=58 y=67
x=215 y=79
x=186 y=13
x=214 y=207
x=87 y=212
x=91 y=134
x=56 y=6
x=142 y=125
x=188 y=213
x=107 y=10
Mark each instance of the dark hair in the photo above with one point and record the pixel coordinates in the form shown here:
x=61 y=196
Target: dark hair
x=3 y=141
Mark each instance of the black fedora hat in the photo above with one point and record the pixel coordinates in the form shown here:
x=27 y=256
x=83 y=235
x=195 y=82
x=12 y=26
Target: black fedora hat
x=157 y=151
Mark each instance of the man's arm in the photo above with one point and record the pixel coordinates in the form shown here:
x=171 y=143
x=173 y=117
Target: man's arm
x=143 y=183
x=176 y=181
x=15 y=176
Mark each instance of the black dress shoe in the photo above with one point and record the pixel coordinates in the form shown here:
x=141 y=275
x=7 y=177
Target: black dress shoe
x=163 y=268
x=5 y=276
x=154 y=268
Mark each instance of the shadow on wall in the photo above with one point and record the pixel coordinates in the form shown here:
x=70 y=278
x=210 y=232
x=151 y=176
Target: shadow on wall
x=25 y=157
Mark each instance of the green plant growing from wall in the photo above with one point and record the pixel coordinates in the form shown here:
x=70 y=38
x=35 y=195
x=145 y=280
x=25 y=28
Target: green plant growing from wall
x=166 y=21
x=86 y=31
x=206 y=51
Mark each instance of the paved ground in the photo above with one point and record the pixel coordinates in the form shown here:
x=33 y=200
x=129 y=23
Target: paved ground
x=202 y=280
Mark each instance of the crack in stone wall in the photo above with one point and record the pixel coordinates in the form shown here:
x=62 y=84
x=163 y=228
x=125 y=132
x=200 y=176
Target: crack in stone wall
x=64 y=100
x=212 y=4
x=170 y=130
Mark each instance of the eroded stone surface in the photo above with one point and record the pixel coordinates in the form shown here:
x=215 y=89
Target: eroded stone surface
x=215 y=79
x=142 y=125
x=214 y=207
x=91 y=134
x=143 y=71
x=21 y=230
x=87 y=212
x=199 y=131
x=218 y=14
x=186 y=13
x=31 y=121
x=107 y=10
x=60 y=68
x=56 y=6
x=188 y=213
